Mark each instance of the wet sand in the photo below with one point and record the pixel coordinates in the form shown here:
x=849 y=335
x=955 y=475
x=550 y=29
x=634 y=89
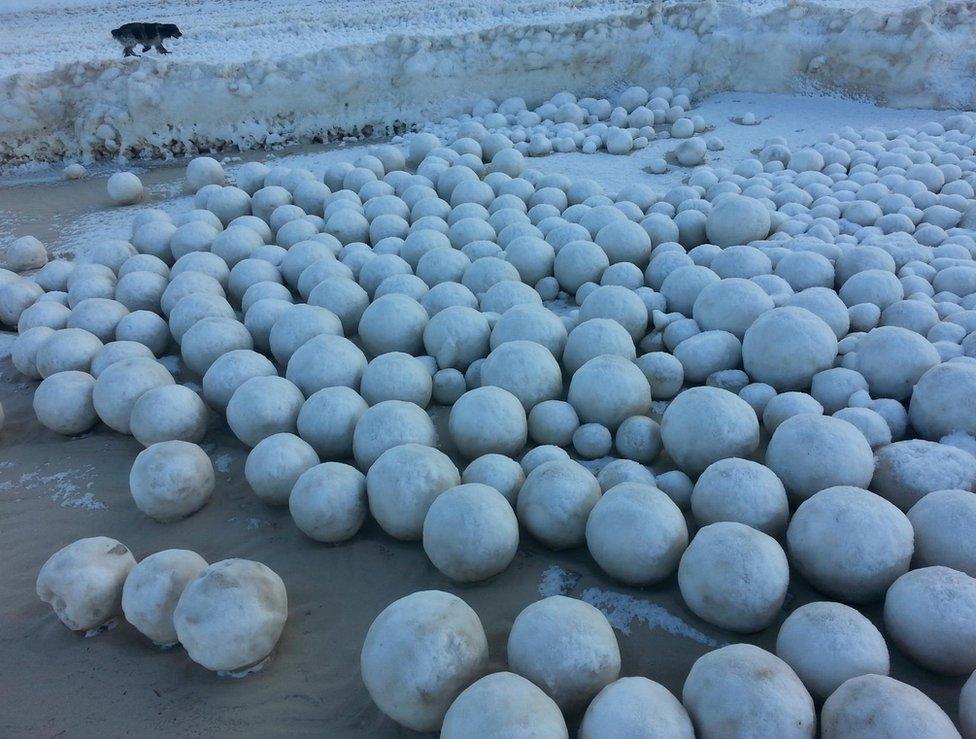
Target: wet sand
x=54 y=490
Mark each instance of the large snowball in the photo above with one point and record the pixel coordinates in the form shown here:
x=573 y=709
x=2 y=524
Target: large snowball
x=742 y=690
x=232 y=615
x=829 y=643
x=470 y=532
x=566 y=647
x=419 y=654
x=63 y=402
x=638 y=708
x=892 y=359
x=609 y=389
x=786 y=347
x=526 y=369
x=734 y=576
x=328 y=502
x=944 y=401
x=705 y=424
x=909 y=470
x=390 y=424
x=735 y=220
x=810 y=452
x=171 y=480
x=743 y=491
x=262 y=406
x=169 y=412
x=880 y=706
x=153 y=588
x=850 y=543
x=506 y=705
x=488 y=420
x=929 y=614
x=121 y=384
x=83 y=581
x=636 y=534
x=555 y=501
x=275 y=464
x=944 y=522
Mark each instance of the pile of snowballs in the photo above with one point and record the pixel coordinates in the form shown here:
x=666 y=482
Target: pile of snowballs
x=809 y=319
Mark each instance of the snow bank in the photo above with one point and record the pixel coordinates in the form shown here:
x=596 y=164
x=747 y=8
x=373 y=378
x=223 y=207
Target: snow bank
x=397 y=75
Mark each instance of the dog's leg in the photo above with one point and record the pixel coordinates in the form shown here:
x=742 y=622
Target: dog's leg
x=145 y=48
x=128 y=52
x=161 y=49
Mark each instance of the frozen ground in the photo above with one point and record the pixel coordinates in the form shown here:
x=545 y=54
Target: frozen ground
x=249 y=74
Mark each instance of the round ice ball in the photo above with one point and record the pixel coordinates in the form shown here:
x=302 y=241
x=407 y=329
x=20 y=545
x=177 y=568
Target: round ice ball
x=396 y=376
x=928 y=614
x=420 y=652
x=25 y=253
x=636 y=534
x=171 y=479
x=553 y=422
x=809 y=453
x=944 y=401
x=503 y=704
x=230 y=371
x=524 y=368
x=154 y=587
x=488 y=420
x=328 y=502
x=742 y=690
x=63 y=402
x=705 y=424
x=967 y=706
x=893 y=359
x=609 y=389
x=496 y=471
x=402 y=484
x=121 y=384
x=943 y=522
x=734 y=576
x=636 y=707
x=743 y=491
x=167 y=413
x=203 y=171
x=566 y=647
x=387 y=425
x=124 y=188
x=829 y=643
x=880 y=706
x=786 y=347
x=735 y=220
x=262 y=406
x=850 y=543
x=275 y=464
x=231 y=616
x=83 y=581
x=470 y=532
x=555 y=501
x=67 y=349
x=907 y=471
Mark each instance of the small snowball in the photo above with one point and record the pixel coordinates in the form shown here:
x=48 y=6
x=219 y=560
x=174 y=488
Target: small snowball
x=496 y=471
x=704 y=424
x=556 y=500
x=153 y=588
x=124 y=188
x=275 y=464
x=503 y=704
x=328 y=502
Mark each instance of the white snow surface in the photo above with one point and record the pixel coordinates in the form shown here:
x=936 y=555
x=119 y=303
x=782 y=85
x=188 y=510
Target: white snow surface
x=249 y=74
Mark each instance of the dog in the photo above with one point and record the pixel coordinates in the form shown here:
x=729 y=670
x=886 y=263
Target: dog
x=150 y=35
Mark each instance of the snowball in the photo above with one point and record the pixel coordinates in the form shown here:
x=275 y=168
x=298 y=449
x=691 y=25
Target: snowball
x=210 y=338
x=594 y=338
x=893 y=359
x=153 y=588
x=636 y=534
x=833 y=387
x=67 y=349
x=555 y=501
x=83 y=581
x=496 y=471
x=621 y=471
x=124 y=188
x=326 y=360
x=470 y=532
x=809 y=452
x=735 y=220
x=734 y=576
x=608 y=389
x=944 y=401
x=682 y=287
x=328 y=501
x=928 y=614
x=829 y=643
x=526 y=369
x=15 y=298
x=203 y=171
x=297 y=325
x=24 y=254
x=275 y=464
x=120 y=385
x=743 y=491
x=742 y=690
x=943 y=522
x=664 y=374
x=167 y=413
x=230 y=371
x=420 y=652
x=23 y=353
x=907 y=471
x=456 y=336
x=232 y=615
x=393 y=323
x=636 y=707
x=566 y=647
x=638 y=438
x=63 y=402
x=879 y=706
x=592 y=441
x=786 y=347
x=731 y=305
x=387 y=425
x=396 y=376
x=503 y=705
x=704 y=424
x=262 y=406
x=488 y=420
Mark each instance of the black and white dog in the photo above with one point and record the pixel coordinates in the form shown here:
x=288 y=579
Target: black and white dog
x=148 y=34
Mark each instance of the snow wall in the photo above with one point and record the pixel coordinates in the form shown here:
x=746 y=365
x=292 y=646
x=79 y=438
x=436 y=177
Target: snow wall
x=918 y=55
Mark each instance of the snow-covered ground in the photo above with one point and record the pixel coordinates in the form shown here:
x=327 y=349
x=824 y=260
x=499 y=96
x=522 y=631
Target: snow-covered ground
x=249 y=74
